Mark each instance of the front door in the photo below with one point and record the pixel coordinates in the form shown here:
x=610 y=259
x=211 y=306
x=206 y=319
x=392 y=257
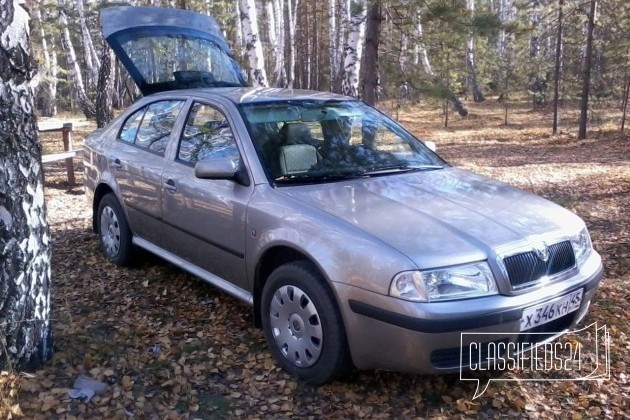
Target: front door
x=206 y=219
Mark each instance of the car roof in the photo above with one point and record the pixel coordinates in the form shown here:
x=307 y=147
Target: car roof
x=257 y=94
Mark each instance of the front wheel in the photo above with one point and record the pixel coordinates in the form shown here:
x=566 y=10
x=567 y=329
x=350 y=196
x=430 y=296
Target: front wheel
x=114 y=231
x=303 y=325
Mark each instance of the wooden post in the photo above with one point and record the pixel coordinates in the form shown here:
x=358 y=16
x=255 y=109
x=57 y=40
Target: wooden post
x=67 y=146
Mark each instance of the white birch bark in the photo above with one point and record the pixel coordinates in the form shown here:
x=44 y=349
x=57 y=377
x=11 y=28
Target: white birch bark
x=506 y=12
x=253 y=45
x=276 y=41
x=421 y=55
x=92 y=62
x=271 y=25
x=75 y=70
x=279 y=71
x=310 y=56
x=291 y=14
x=333 y=46
x=470 y=58
x=25 y=246
x=353 y=47
x=49 y=70
x=403 y=53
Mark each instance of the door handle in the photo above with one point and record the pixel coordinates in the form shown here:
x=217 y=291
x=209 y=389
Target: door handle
x=169 y=184
x=117 y=164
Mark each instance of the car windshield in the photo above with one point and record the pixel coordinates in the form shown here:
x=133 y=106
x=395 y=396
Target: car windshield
x=318 y=141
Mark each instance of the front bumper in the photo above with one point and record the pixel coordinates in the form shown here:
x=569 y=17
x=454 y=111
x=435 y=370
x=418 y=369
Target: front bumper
x=393 y=334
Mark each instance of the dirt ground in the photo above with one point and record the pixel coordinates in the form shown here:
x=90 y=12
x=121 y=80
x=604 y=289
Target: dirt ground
x=169 y=346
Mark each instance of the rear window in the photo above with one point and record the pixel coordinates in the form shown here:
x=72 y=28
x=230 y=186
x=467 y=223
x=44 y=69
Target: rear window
x=187 y=61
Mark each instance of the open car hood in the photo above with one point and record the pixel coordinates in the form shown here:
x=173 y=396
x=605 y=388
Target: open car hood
x=166 y=49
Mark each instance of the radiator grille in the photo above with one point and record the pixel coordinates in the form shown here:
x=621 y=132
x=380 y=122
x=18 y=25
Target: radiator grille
x=526 y=268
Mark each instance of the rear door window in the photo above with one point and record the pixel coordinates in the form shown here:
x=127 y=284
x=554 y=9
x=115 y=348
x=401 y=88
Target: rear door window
x=130 y=128
x=150 y=127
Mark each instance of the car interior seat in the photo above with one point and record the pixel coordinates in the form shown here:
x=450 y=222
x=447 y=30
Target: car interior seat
x=296 y=155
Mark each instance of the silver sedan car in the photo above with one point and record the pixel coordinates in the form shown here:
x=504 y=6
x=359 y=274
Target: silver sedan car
x=354 y=243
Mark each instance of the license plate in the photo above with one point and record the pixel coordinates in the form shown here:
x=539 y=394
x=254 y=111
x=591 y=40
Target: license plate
x=547 y=312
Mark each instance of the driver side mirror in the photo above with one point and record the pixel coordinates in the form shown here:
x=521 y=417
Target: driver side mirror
x=221 y=168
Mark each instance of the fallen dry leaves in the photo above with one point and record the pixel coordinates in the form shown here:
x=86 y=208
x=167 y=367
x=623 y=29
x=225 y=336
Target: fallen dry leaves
x=172 y=347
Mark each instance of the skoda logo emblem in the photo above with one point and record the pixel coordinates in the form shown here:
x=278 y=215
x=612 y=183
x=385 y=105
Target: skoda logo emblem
x=542 y=252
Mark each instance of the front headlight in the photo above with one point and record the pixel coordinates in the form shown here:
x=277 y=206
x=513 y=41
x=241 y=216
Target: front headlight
x=459 y=282
x=581 y=245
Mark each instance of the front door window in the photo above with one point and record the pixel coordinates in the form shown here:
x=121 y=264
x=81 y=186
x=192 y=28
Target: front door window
x=207 y=135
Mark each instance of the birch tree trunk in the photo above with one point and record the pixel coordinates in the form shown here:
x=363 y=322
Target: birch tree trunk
x=502 y=38
x=343 y=8
x=586 y=72
x=333 y=47
x=291 y=14
x=25 y=247
x=353 y=48
x=105 y=87
x=279 y=72
x=470 y=58
x=372 y=41
x=49 y=85
x=87 y=107
x=273 y=38
x=421 y=51
x=253 y=47
x=89 y=53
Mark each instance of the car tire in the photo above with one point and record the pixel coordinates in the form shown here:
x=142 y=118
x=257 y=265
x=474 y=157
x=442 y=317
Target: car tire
x=113 y=231
x=303 y=325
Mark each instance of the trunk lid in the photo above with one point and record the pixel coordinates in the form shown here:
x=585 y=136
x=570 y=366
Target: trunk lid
x=168 y=49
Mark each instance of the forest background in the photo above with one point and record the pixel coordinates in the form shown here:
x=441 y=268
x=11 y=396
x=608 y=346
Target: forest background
x=552 y=51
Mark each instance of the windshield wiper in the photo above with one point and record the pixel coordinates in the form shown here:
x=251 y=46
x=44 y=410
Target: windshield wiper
x=384 y=170
x=221 y=83
x=331 y=177
x=313 y=179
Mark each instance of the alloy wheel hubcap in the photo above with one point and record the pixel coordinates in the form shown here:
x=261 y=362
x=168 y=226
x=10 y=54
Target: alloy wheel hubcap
x=110 y=232
x=296 y=326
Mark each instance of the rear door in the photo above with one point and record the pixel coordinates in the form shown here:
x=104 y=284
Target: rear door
x=166 y=49
x=138 y=160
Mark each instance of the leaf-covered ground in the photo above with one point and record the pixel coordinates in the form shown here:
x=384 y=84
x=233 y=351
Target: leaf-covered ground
x=170 y=346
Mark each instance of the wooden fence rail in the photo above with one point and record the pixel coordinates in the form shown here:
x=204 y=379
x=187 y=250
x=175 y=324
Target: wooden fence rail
x=68 y=154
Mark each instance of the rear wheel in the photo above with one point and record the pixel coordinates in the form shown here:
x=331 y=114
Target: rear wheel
x=114 y=231
x=303 y=325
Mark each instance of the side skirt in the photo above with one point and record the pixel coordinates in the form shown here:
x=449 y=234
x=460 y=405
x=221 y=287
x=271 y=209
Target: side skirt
x=206 y=276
